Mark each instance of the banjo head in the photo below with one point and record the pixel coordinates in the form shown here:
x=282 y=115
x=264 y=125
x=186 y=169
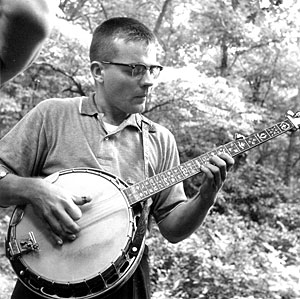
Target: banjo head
x=97 y=261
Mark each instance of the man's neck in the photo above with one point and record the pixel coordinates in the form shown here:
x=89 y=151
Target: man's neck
x=112 y=117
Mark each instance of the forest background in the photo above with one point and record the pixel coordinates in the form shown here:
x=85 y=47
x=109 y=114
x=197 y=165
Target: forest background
x=230 y=67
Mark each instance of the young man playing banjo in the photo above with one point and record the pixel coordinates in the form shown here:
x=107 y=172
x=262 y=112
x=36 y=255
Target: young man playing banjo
x=104 y=132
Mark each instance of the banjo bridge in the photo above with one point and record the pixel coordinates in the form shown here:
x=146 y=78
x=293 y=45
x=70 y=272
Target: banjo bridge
x=25 y=245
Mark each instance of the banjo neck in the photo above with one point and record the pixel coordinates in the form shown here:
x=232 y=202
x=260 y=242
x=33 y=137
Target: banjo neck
x=140 y=191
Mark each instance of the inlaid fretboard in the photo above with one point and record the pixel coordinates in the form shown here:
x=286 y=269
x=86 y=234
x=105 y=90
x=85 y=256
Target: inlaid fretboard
x=147 y=188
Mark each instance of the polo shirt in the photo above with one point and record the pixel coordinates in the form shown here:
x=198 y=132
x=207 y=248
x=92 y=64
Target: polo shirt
x=66 y=133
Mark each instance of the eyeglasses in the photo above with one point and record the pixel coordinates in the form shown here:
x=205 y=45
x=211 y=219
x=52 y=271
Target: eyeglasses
x=138 y=70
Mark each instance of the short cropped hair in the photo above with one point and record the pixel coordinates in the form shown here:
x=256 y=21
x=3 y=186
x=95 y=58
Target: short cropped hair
x=130 y=30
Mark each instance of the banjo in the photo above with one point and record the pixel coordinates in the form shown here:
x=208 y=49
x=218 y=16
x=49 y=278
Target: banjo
x=105 y=254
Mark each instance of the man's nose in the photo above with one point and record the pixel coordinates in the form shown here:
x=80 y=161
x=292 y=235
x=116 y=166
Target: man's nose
x=147 y=79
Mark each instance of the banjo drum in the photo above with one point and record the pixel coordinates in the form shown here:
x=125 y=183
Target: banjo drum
x=98 y=262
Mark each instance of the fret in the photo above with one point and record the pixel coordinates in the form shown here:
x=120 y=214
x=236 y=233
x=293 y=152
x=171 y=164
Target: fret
x=232 y=148
x=192 y=167
x=171 y=176
x=178 y=173
x=132 y=195
x=166 y=179
x=184 y=170
x=274 y=131
x=263 y=136
x=285 y=125
x=213 y=152
x=139 y=187
x=222 y=149
x=160 y=182
x=253 y=140
x=242 y=144
x=204 y=158
x=198 y=161
x=153 y=184
x=147 y=189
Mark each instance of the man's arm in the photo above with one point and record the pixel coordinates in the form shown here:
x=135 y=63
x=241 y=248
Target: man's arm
x=189 y=215
x=24 y=26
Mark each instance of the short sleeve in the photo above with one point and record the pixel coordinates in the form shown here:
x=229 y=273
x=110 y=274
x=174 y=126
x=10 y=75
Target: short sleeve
x=23 y=148
x=167 y=158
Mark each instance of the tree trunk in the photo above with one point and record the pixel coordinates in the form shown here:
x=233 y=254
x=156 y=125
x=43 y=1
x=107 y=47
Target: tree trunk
x=161 y=16
x=224 y=58
x=289 y=159
x=291 y=148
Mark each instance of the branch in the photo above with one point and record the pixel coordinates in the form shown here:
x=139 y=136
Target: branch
x=103 y=9
x=78 y=85
x=158 y=106
x=257 y=46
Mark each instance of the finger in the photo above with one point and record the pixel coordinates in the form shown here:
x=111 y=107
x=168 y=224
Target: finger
x=68 y=225
x=213 y=175
x=228 y=159
x=56 y=239
x=221 y=165
x=82 y=200
x=217 y=174
x=73 y=210
x=55 y=229
x=206 y=171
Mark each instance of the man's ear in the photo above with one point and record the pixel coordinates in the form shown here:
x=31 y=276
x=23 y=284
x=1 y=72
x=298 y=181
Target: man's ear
x=97 y=71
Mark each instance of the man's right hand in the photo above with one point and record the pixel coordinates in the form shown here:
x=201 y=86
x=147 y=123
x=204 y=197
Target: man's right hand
x=59 y=209
x=56 y=206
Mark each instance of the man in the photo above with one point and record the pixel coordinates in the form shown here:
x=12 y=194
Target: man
x=104 y=131
x=24 y=26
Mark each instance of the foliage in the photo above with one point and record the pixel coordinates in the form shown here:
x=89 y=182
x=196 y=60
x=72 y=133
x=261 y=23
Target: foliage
x=262 y=190
x=228 y=257
x=9 y=113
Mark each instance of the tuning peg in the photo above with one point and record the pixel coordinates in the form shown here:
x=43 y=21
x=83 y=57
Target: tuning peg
x=290 y=113
x=294 y=118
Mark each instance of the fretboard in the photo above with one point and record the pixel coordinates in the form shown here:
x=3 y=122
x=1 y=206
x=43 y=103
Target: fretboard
x=149 y=187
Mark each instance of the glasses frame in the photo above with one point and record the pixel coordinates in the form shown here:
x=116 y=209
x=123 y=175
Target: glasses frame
x=134 y=65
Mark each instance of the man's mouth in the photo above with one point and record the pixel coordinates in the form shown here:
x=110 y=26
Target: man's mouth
x=144 y=95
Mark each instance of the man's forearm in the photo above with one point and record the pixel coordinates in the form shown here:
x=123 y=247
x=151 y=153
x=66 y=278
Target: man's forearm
x=15 y=190
x=185 y=218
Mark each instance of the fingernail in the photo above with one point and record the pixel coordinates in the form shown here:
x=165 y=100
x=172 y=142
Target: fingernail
x=86 y=199
x=60 y=242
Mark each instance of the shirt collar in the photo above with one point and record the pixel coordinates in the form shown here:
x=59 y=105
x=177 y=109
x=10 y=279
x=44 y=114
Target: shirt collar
x=88 y=107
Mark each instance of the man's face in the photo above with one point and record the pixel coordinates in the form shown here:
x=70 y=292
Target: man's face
x=122 y=93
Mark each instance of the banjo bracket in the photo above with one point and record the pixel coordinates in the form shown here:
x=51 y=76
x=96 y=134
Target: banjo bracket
x=25 y=245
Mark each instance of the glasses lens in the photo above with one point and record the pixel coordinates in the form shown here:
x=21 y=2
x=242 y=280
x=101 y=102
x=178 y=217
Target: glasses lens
x=155 y=71
x=139 y=71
